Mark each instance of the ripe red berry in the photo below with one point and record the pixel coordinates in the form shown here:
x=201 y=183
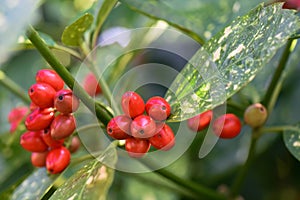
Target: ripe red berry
x=291 y=4
x=201 y=121
x=32 y=141
x=75 y=144
x=62 y=126
x=65 y=102
x=17 y=114
x=158 y=108
x=164 y=139
x=46 y=135
x=32 y=106
x=132 y=104
x=50 y=77
x=91 y=85
x=39 y=119
x=143 y=126
x=227 y=126
x=119 y=127
x=57 y=160
x=42 y=95
x=136 y=148
x=15 y=117
x=38 y=159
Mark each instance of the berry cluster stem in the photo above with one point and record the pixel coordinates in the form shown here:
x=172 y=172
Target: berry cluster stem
x=276 y=83
x=13 y=87
x=102 y=114
x=238 y=181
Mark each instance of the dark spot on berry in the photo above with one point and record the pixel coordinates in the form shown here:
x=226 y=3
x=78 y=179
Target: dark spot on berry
x=110 y=130
x=60 y=97
x=31 y=90
x=46 y=131
x=163 y=108
x=262 y=109
x=142 y=132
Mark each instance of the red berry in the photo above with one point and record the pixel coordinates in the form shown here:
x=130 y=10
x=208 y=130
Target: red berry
x=227 y=126
x=65 y=102
x=75 y=144
x=32 y=106
x=57 y=160
x=46 y=135
x=17 y=114
x=42 y=95
x=39 y=119
x=132 y=104
x=62 y=126
x=50 y=77
x=91 y=85
x=201 y=121
x=119 y=127
x=136 y=148
x=15 y=117
x=143 y=127
x=291 y=4
x=32 y=141
x=38 y=159
x=164 y=139
x=158 y=108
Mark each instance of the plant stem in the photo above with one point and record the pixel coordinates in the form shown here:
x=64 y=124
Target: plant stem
x=104 y=86
x=279 y=129
x=103 y=13
x=238 y=181
x=102 y=114
x=275 y=85
x=196 y=188
x=13 y=87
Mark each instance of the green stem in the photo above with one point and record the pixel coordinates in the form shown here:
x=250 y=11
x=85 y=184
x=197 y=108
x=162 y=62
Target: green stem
x=238 y=181
x=196 y=188
x=104 y=86
x=275 y=85
x=279 y=129
x=13 y=87
x=67 y=50
x=103 y=13
x=102 y=114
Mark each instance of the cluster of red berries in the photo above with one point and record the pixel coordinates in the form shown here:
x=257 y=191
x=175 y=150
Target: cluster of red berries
x=225 y=126
x=140 y=130
x=50 y=122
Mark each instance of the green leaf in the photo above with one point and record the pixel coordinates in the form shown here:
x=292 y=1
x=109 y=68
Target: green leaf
x=92 y=181
x=73 y=33
x=196 y=18
x=291 y=139
x=104 y=11
x=230 y=60
x=34 y=186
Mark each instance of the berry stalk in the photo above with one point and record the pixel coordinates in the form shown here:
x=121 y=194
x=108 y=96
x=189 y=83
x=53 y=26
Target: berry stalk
x=102 y=114
x=276 y=83
x=13 y=87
